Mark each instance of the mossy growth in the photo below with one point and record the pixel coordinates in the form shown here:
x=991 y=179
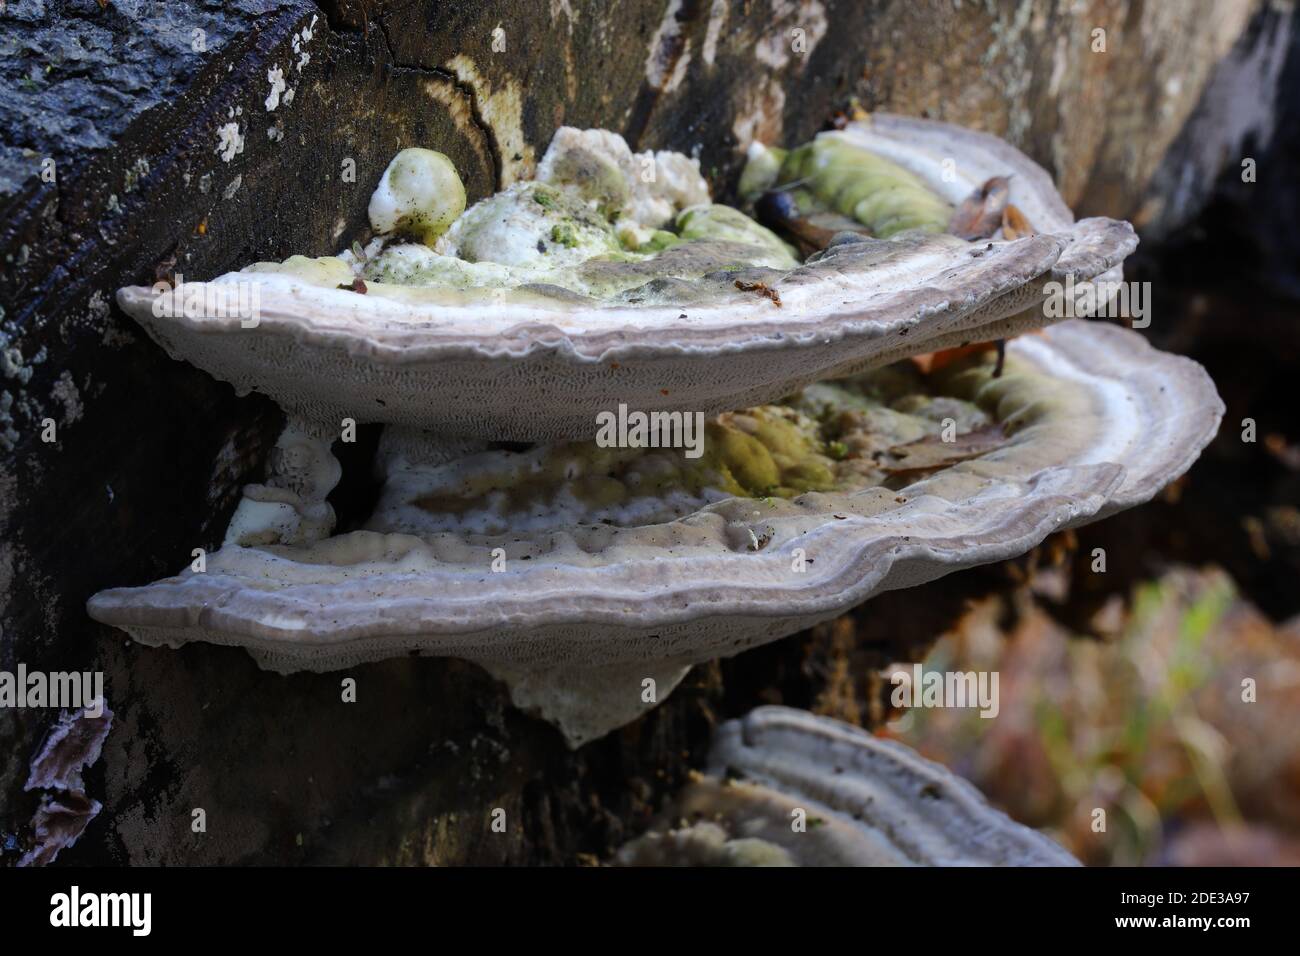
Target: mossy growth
x=832 y=173
x=831 y=437
x=731 y=225
x=761 y=452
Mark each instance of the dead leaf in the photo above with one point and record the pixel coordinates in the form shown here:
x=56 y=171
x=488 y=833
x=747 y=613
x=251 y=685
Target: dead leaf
x=777 y=210
x=929 y=362
x=980 y=214
x=1014 y=223
x=932 y=452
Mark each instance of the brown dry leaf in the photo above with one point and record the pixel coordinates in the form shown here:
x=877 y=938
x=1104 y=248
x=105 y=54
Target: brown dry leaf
x=1014 y=223
x=929 y=362
x=808 y=237
x=932 y=452
x=980 y=214
x=777 y=210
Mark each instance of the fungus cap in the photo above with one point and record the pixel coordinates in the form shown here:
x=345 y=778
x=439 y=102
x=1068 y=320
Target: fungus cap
x=536 y=362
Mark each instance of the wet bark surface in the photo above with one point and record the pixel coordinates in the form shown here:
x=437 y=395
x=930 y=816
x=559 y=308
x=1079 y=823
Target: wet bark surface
x=146 y=139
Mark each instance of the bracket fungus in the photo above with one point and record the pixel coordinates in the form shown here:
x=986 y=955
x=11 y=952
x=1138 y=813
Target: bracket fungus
x=786 y=788
x=590 y=575
x=578 y=613
x=612 y=276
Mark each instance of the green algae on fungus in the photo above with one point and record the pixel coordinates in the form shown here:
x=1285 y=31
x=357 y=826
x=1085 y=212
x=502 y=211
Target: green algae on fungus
x=761 y=170
x=832 y=173
x=838 y=437
x=516 y=227
x=722 y=222
x=591 y=225
x=761 y=452
x=592 y=174
x=605 y=225
x=328 y=271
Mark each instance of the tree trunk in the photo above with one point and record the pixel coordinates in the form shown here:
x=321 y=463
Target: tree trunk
x=147 y=139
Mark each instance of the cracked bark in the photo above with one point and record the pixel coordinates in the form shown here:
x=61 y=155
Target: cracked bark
x=465 y=90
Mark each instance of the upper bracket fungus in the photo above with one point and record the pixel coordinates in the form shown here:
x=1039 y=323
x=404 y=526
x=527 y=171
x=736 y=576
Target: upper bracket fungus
x=786 y=788
x=612 y=275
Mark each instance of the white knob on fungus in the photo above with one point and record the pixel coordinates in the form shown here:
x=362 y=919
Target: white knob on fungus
x=419 y=194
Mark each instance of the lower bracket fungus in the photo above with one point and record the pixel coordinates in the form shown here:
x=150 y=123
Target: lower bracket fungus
x=590 y=579
x=786 y=788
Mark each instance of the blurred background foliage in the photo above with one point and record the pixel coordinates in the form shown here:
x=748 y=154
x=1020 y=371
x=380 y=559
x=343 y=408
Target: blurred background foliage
x=1180 y=723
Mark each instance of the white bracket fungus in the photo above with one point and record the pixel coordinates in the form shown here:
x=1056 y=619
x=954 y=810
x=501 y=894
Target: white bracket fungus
x=290 y=508
x=786 y=788
x=535 y=355
x=577 y=572
x=581 y=612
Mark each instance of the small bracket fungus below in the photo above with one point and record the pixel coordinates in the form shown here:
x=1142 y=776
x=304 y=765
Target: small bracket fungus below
x=864 y=802
x=290 y=508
